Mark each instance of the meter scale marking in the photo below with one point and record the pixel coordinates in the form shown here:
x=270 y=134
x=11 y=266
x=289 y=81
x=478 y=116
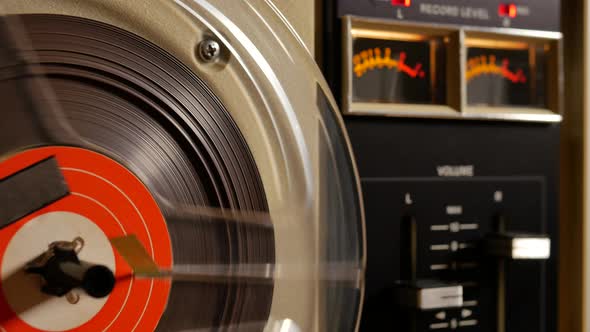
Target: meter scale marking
x=371 y=59
x=486 y=64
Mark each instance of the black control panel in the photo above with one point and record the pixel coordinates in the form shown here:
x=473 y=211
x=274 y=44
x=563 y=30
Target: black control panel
x=461 y=214
x=460 y=183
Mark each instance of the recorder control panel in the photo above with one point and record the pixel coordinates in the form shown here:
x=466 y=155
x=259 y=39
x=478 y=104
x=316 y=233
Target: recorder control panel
x=454 y=118
x=461 y=231
x=459 y=242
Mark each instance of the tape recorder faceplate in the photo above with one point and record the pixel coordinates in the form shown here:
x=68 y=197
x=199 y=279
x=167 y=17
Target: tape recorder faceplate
x=454 y=109
x=171 y=166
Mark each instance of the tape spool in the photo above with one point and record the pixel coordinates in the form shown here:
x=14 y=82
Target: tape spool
x=309 y=247
x=144 y=109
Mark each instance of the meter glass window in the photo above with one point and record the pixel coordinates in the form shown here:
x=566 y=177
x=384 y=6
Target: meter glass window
x=398 y=71
x=511 y=76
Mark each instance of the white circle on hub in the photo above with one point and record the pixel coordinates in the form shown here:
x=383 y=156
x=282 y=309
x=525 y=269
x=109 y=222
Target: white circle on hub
x=22 y=291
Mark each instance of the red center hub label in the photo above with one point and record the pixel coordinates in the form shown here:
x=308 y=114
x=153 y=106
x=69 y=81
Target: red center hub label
x=117 y=202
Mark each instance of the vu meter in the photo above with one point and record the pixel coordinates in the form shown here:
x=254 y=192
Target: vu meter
x=387 y=68
x=398 y=71
x=501 y=73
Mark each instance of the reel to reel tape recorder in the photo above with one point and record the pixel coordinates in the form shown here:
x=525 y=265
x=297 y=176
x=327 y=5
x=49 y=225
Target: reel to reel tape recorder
x=181 y=165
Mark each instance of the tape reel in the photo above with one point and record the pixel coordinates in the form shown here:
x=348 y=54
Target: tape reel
x=242 y=161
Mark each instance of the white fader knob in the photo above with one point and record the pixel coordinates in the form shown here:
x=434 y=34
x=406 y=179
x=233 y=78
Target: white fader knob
x=518 y=246
x=429 y=294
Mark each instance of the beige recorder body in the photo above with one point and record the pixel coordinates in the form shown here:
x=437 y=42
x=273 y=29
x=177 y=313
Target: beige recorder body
x=574 y=264
x=574 y=270
x=268 y=81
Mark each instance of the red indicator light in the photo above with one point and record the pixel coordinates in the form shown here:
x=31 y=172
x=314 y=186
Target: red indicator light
x=507 y=10
x=405 y=3
x=512 y=10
